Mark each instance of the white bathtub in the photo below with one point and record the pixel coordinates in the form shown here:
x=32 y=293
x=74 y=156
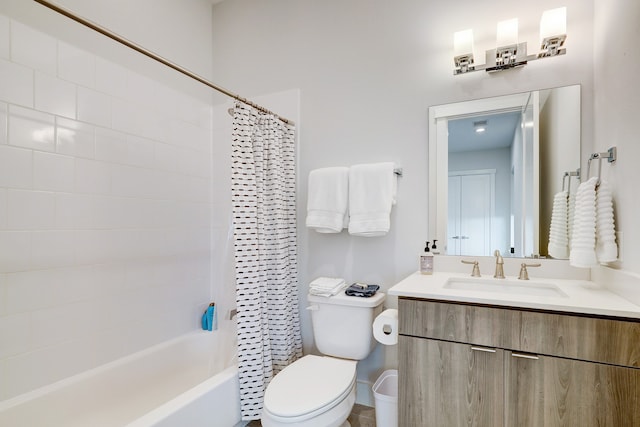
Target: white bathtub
x=178 y=383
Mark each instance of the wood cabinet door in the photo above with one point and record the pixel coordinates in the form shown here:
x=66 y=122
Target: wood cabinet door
x=524 y=389
x=449 y=384
x=552 y=391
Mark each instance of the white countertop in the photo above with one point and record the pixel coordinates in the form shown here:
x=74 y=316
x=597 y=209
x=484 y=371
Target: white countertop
x=579 y=296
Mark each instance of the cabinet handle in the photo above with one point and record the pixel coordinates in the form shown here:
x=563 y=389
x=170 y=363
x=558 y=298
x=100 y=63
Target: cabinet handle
x=525 y=356
x=486 y=350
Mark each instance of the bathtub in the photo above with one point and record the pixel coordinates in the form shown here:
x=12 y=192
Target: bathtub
x=177 y=383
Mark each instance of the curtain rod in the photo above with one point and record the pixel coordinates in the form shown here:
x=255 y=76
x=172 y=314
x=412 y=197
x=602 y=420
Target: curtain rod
x=154 y=56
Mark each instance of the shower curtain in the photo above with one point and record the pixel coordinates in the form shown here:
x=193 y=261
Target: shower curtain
x=264 y=222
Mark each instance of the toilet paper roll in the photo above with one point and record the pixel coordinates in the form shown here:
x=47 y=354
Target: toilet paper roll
x=385 y=327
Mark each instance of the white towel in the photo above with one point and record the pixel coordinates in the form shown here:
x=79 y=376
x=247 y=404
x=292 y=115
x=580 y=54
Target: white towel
x=572 y=211
x=558 y=232
x=606 y=248
x=328 y=199
x=327 y=286
x=583 y=240
x=372 y=192
x=593 y=240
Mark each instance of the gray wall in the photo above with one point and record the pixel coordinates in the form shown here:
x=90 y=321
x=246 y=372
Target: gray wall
x=616 y=103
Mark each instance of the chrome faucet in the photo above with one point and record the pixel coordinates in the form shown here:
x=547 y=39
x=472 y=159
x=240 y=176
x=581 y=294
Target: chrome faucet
x=499 y=265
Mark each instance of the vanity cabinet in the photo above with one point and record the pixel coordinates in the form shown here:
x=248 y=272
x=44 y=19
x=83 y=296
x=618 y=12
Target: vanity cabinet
x=472 y=365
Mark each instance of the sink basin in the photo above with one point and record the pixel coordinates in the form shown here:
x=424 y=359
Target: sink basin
x=504 y=286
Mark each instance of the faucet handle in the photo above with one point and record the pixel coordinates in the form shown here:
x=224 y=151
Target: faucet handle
x=524 y=274
x=476 y=268
x=499 y=265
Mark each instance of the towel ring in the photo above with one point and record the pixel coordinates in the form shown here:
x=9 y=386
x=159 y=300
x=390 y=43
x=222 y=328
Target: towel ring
x=611 y=155
x=575 y=173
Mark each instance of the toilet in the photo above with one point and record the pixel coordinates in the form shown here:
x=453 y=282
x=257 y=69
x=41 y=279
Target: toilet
x=320 y=391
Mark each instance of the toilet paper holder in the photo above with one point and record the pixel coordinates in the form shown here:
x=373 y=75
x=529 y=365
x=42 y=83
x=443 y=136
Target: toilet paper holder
x=385 y=327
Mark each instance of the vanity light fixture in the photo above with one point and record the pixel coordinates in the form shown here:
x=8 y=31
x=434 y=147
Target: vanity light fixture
x=510 y=53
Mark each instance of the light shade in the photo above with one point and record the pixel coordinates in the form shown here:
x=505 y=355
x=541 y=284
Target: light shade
x=553 y=23
x=463 y=42
x=507 y=32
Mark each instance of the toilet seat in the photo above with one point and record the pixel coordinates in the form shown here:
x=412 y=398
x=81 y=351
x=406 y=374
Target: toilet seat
x=308 y=387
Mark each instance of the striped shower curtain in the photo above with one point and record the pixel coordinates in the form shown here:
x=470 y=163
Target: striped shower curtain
x=264 y=222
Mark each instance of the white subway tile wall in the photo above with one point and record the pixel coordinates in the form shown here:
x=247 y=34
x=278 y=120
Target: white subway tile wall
x=75 y=138
x=20 y=91
x=34 y=49
x=31 y=129
x=3 y=123
x=55 y=96
x=105 y=210
x=16 y=167
x=3 y=291
x=76 y=66
x=5 y=44
x=3 y=212
x=94 y=107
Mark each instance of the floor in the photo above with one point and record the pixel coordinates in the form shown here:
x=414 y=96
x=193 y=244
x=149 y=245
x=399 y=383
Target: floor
x=361 y=416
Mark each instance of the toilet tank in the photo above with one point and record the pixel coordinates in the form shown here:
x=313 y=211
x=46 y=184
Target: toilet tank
x=343 y=325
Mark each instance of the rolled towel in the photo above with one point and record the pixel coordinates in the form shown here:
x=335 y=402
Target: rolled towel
x=328 y=199
x=372 y=193
x=558 y=231
x=571 y=212
x=606 y=247
x=583 y=241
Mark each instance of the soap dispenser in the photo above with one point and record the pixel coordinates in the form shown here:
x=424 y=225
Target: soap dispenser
x=434 y=248
x=426 y=261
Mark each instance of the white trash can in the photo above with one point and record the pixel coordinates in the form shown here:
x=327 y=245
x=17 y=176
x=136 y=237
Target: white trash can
x=385 y=393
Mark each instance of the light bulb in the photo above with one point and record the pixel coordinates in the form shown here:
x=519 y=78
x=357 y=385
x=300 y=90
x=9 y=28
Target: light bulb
x=507 y=32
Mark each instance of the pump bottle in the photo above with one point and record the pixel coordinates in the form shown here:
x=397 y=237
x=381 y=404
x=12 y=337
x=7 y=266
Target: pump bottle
x=426 y=261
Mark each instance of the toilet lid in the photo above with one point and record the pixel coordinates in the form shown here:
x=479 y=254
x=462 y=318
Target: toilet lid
x=309 y=384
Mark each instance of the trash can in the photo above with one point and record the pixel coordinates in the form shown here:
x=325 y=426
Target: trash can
x=385 y=393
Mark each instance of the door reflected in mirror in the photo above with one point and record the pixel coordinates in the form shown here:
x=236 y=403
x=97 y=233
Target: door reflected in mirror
x=494 y=166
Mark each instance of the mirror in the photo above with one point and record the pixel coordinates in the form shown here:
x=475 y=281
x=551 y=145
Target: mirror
x=494 y=167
